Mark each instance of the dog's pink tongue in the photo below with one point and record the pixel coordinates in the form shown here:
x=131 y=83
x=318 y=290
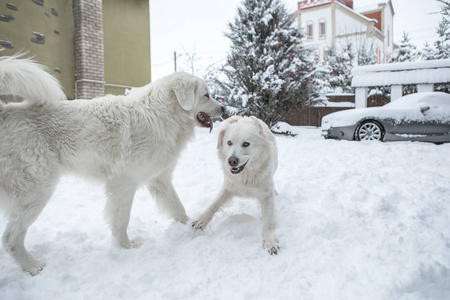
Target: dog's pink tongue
x=206 y=120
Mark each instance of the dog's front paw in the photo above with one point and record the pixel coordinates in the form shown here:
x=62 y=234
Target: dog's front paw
x=202 y=221
x=200 y=224
x=272 y=247
x=129 y=245
x=134 y=245
x=34 y=268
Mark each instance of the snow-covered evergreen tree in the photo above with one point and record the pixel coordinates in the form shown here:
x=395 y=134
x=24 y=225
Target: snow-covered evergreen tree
x=443 y=29
x=428 y=52
x=406 y=52
x=341 y=63
x=269 y=69
x=366 y=55
x=318 y=81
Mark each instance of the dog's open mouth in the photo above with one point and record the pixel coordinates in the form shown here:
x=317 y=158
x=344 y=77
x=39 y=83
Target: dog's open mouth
x=237 y=170
x=205 y=120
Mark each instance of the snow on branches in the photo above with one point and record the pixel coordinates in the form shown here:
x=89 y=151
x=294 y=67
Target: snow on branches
x=268 y=68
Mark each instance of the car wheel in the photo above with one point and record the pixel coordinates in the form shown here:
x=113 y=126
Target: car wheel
x=369 y=131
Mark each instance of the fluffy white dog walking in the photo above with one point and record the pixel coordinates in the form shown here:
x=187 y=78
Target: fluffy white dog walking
x=248 y=154
x=123 y=141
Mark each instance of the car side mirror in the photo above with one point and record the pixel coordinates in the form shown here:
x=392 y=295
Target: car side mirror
x=423 y=109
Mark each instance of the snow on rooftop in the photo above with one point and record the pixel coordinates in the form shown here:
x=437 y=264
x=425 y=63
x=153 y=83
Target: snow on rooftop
x=429 y=64
x=356 y=13
x=368 y=8
x=368 y=5
x=423 y=72
x=312 y=3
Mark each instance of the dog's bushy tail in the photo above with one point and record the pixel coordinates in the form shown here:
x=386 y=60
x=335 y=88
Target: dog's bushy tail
x=25 y=78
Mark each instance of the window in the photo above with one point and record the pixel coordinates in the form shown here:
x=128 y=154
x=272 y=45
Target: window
x=309 y=30
x=322 y=32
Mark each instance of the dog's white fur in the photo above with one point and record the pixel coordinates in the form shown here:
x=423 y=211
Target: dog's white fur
x=123 y=141
x=249 y=157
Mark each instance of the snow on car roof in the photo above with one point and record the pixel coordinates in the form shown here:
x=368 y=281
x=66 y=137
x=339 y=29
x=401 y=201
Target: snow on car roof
x=405 y=108
x=431 y=98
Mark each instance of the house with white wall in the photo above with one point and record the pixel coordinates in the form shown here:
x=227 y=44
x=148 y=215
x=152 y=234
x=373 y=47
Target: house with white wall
x=336 y=23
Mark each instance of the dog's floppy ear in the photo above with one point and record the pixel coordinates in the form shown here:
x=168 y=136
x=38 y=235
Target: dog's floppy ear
x=185 y=94
x=233 y=119
x=258 y=123
x=220 y=138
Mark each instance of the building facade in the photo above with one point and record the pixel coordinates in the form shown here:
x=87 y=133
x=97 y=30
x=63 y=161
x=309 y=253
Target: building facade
x=337 y=23
x=92 y=47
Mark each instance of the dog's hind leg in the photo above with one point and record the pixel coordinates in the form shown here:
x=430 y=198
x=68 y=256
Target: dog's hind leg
x=16 y=229
x=166 y=198
x=120 y=195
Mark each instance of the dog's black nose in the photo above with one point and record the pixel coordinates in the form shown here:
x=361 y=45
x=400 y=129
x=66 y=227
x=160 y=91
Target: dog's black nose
x=223 y=109
x=233 y=161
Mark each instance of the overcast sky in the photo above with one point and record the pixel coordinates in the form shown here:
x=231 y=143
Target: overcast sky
x=197 y=26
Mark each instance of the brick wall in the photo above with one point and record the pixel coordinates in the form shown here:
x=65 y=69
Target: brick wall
x=89 y=49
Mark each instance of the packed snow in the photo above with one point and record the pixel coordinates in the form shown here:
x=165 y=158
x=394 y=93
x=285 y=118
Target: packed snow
x=357 y=220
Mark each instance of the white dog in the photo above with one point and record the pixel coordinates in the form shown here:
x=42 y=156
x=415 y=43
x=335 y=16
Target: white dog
x=123 y=141
x=248 y=154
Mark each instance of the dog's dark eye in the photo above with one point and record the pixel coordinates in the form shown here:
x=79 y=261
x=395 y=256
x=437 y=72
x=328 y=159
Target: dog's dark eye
x=245 y=145
x=229 y=143
x=207 y=96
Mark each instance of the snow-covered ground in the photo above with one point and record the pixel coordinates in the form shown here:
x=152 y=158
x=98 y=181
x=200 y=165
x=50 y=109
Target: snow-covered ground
x=357 y=221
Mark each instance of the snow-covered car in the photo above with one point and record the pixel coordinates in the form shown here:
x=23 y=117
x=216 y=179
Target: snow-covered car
x=416 y=117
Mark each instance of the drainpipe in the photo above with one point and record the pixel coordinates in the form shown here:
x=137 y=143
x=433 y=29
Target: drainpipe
x=85 y=80
x=100 y=82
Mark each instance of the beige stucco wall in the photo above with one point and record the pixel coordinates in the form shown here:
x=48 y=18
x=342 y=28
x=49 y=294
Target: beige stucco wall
x=126 y=27
x=57 y=50
x=126 y=30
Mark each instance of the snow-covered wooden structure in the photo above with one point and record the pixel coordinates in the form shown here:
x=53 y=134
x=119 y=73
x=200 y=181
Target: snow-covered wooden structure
x=424 y=75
